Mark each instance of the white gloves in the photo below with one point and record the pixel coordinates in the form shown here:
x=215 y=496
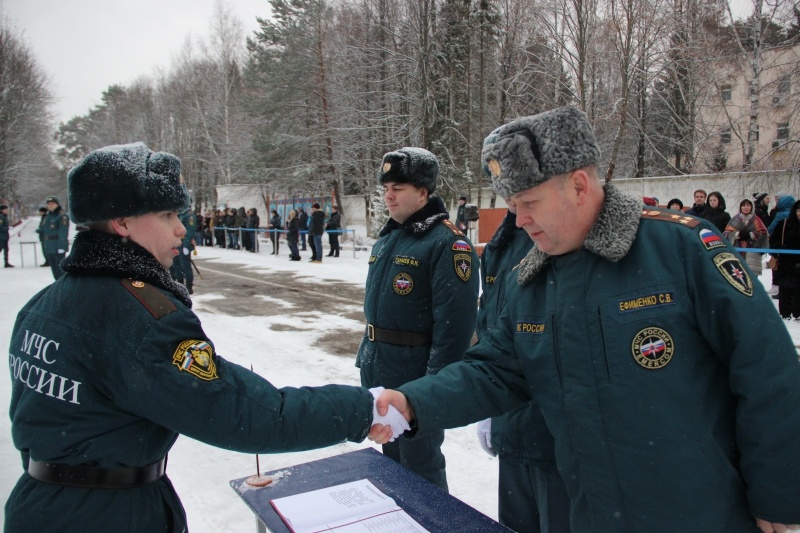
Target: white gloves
x=485 y=436
x=392 y=418
x=61 y=251
x=185 y=251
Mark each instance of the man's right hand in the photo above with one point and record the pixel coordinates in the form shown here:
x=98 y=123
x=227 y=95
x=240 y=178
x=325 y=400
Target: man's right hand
x=379 y=433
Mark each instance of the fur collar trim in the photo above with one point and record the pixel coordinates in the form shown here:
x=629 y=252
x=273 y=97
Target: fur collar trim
x=505 y=233
x=96 y=253
x=610 y=237
x=420 y=222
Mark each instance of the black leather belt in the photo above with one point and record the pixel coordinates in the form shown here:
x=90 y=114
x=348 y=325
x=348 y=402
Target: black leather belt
x=392 y=336
x=94 y=477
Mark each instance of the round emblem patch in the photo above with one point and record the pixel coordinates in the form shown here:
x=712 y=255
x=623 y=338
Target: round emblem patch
x=138 y=284
x=403 y=283
x=652 y=348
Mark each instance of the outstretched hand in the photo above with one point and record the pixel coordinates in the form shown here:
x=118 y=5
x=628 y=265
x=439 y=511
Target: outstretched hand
x=771 y=527
x=381 y=433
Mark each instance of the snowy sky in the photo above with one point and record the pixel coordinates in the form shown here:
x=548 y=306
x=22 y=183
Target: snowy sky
x=85 y=46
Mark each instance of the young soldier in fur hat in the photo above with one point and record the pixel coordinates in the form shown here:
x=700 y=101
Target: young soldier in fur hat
x=102 y=389
x=666 y=417
x=421 y=296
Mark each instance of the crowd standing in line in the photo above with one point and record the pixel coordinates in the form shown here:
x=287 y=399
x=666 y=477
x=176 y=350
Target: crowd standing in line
x=421 y=295
x=612 y=323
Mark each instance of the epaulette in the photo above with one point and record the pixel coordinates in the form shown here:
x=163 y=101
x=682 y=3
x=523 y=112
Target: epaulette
x=153 y=299
x=670 y=216
x=452 y=227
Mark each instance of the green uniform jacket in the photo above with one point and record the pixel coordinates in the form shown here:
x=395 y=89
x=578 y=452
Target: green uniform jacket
x=55 y=230
x=420 y=280
x=521 y=435
x=189 y=221
x=668 y=379
x=4 y=227
x=113 y=381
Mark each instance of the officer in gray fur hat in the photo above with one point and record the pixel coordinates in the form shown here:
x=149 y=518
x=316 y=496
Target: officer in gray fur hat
x=105 y=361
x=420 y=296
x=664 y=415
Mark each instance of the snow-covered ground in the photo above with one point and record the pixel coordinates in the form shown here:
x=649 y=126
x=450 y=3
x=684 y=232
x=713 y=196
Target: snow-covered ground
x=200 y=472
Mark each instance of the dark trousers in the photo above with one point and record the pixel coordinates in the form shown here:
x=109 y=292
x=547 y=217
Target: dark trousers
x=295 y=253
x=302 y=240
x=55 y=264
x=185 y=268
x=4 y=247
x=789 y=301
x=532 y=498
x=422 y=455
x=333 y=240
x=275 y=237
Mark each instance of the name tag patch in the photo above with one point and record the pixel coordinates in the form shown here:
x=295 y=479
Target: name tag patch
x=710 y=239
x=197 y=358
x=403 y=283
x=406 y=261
x=643 y=302
x=372 y=259
x=533 y=328
x=652 y=348
x=734 y=273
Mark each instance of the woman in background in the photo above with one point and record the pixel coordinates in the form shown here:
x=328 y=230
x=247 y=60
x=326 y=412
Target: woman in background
x=746 y=230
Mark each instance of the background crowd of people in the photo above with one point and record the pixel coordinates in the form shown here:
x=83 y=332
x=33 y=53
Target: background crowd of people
x=758 y=226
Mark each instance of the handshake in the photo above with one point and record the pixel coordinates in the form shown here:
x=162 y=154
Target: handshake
x=392 y=424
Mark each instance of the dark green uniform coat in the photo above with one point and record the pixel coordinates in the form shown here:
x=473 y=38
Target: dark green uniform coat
x=420 y=280
x=55 y=232
x=184 y=272
x=113 y=381
x=666 y=376
x=531 y=493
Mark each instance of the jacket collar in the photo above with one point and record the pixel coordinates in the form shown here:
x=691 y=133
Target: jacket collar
x=610 y=237
x=505 y=233
x=96 y=253
x=420 y=222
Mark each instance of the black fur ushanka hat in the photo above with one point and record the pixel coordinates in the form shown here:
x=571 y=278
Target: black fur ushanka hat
x=416 y=166
x=125 y=180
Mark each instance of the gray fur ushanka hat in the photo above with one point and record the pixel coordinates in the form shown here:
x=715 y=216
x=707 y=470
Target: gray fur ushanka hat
x=531 y=150
x=416 y=166
x=125 y=180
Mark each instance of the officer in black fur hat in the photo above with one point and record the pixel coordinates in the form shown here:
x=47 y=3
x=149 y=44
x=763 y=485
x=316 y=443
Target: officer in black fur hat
x=420 y=302
x=109 y=364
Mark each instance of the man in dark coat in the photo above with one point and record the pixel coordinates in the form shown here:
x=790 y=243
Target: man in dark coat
x=303 y=227
x=315 y=230
x=333 y=227
x=420 y=302
x=699 y=206
x=102 y=389
x=633 y=329
x=42 y=218
x=55 y=231
x=461 y=221
x=4 y=235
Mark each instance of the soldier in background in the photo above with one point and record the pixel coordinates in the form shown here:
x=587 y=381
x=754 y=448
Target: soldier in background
x=55 y=233
x=4 y=226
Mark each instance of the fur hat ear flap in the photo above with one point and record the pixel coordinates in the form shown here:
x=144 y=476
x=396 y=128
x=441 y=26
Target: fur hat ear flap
x=411 y=165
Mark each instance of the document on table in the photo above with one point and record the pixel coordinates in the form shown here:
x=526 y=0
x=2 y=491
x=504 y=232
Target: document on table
x=355 y=507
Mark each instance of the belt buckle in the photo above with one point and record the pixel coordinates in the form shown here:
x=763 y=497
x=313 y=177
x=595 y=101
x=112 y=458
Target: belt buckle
x=371 y=332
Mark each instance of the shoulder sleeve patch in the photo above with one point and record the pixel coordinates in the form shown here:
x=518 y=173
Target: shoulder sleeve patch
x=153 y=299
x=452 y=227
x=671 y=216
